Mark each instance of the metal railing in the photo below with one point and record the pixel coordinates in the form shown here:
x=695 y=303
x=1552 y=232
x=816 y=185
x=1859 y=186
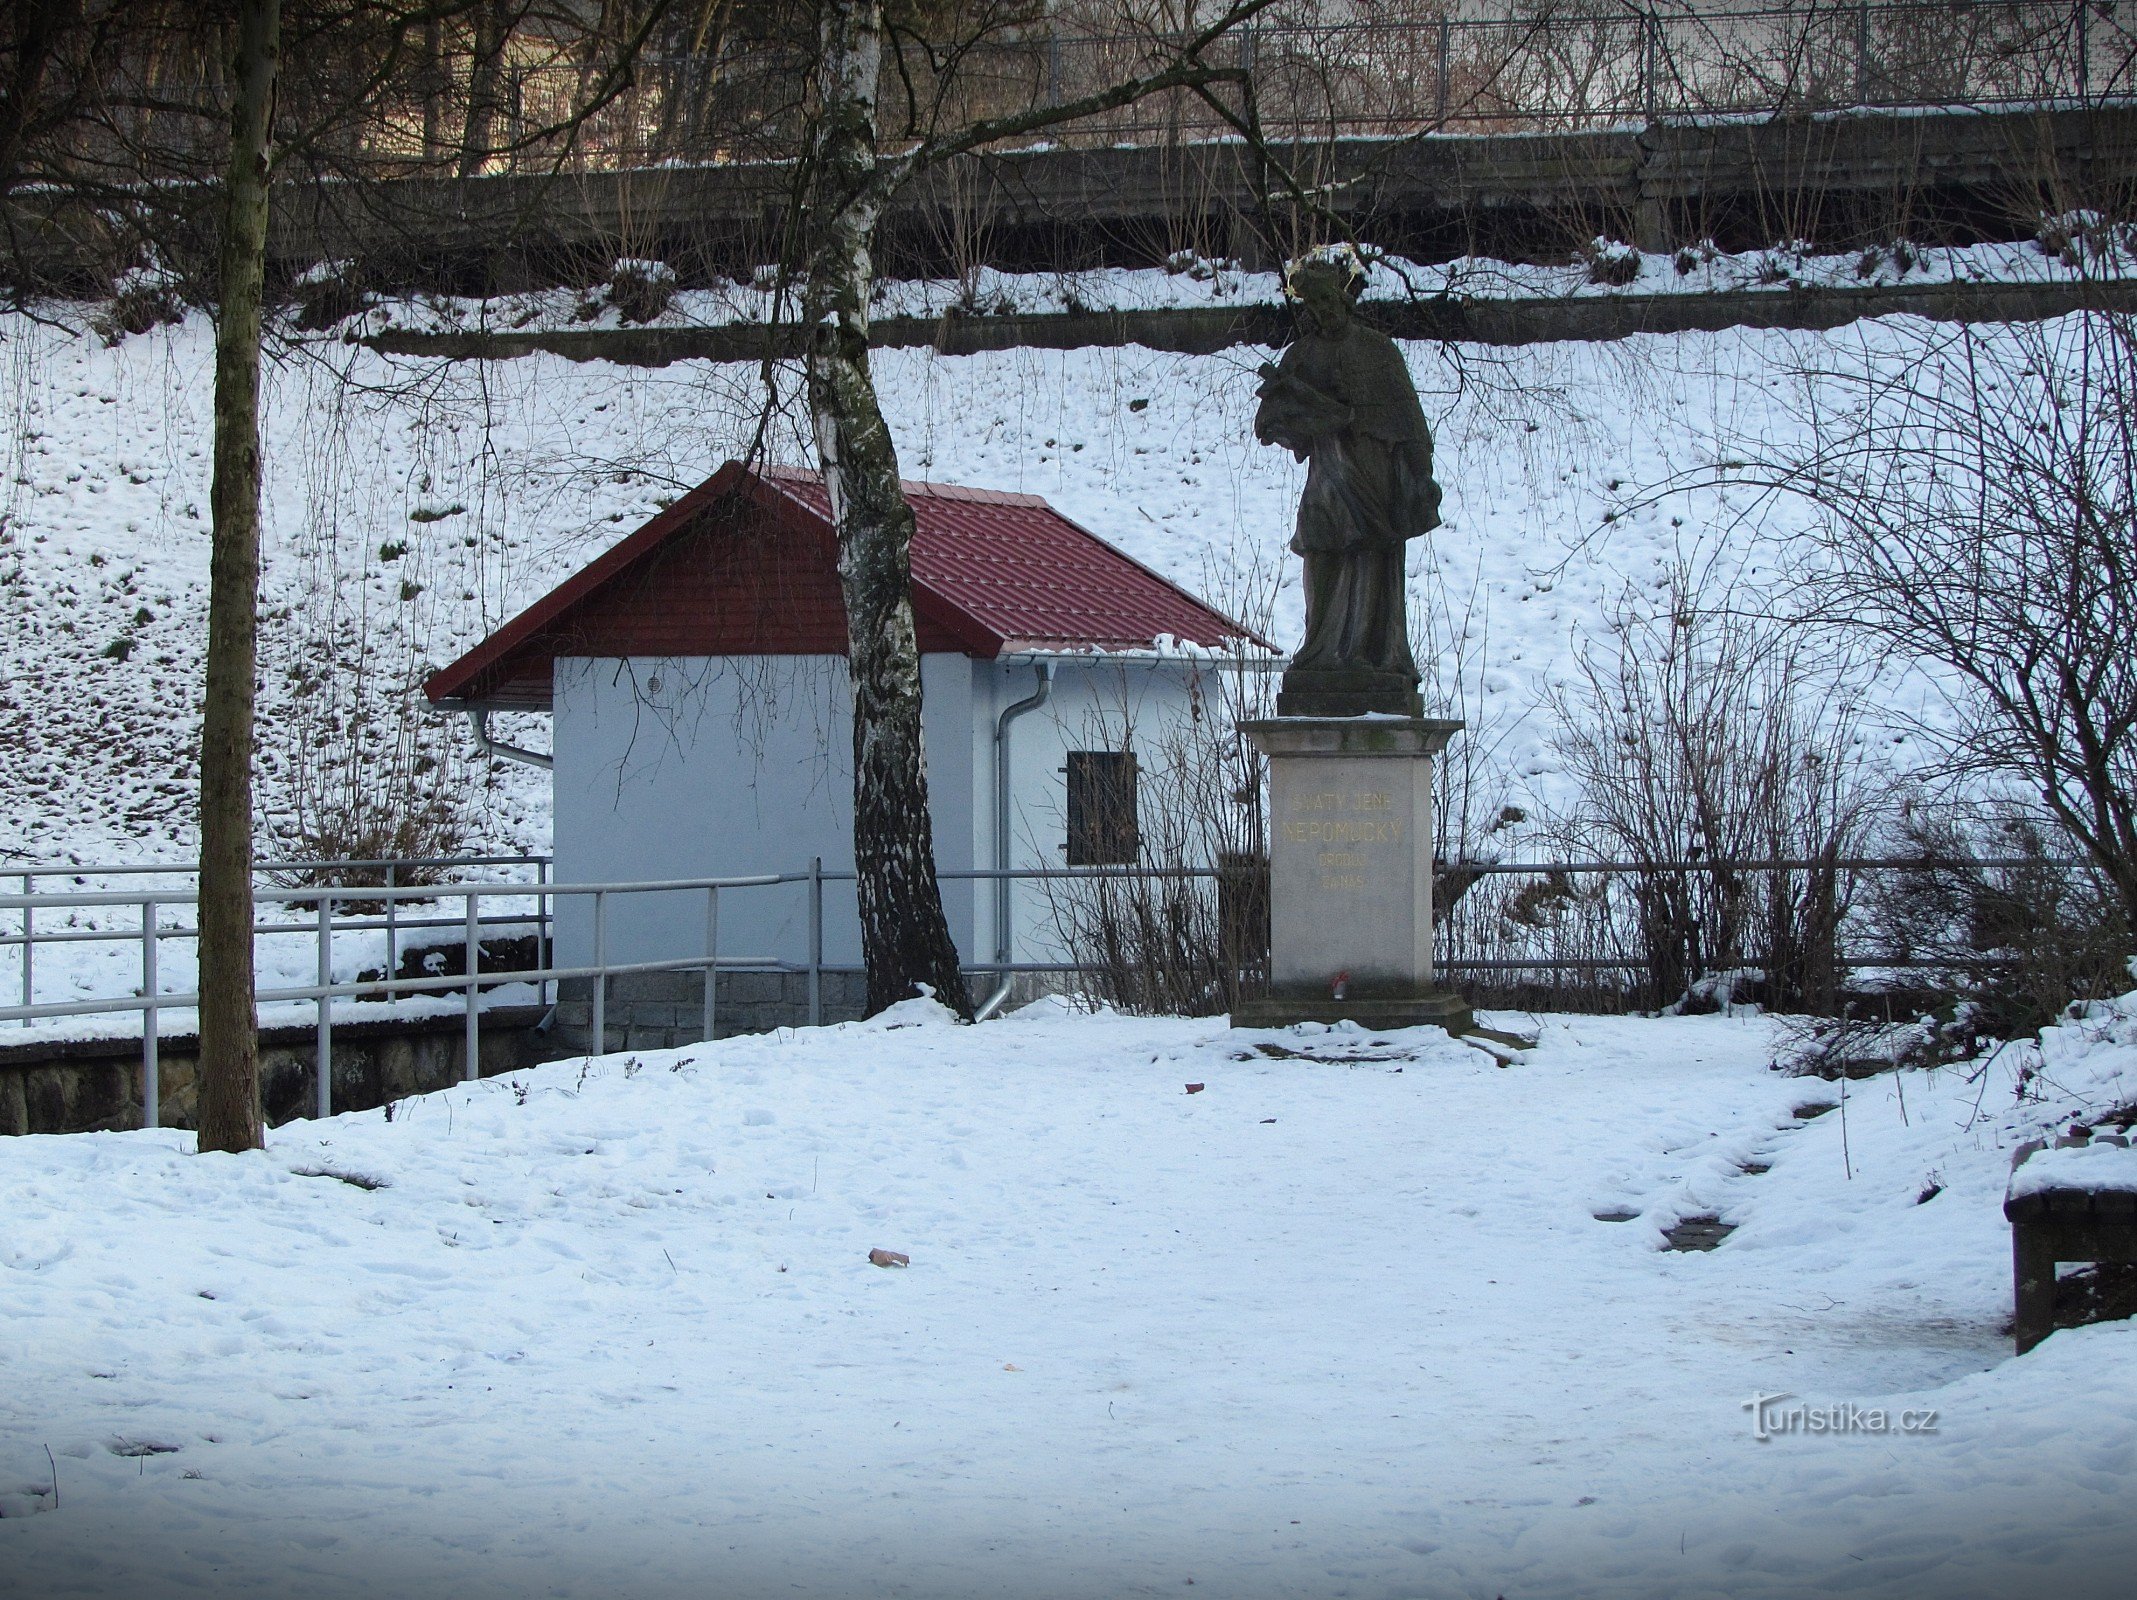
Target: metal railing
x=488 y=909
x=340 y=909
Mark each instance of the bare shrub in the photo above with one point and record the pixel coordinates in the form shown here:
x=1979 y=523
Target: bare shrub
x=369 y=772
x=371 y=779
x=327 y=295
x=142 y=298
x=2027 y=925
x=1161 y=942
x=640 y=291
x=1711 y=737
x=1976 y=500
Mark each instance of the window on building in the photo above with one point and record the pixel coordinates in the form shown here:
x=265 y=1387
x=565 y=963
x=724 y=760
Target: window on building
x=1101 y=808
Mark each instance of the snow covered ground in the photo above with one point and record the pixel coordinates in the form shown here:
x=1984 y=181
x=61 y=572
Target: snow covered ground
x=2069 y=247
x=1345 y=1323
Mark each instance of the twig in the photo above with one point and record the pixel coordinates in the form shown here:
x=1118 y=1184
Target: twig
x=1847 y=1166
x=54 y=1465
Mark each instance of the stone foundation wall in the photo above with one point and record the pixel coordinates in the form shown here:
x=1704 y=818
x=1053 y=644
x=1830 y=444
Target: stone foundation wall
x=91 y=1085
x=666 y=1010
x=88 y=1086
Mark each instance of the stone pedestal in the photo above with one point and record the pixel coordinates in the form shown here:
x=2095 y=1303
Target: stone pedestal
x=1350 y=873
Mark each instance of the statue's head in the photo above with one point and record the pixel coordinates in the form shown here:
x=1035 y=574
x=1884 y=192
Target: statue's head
x=1322 y=289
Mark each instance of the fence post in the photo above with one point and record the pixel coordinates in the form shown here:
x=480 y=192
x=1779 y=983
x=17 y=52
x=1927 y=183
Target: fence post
x=151 y=1078
x=712 y=960
x=472 y=1068
x=29 y=938
x=1053 y=69
x=1446 y=30
x=1650 y=49
x=323 y=1096
x=2083 y=9
x=392 y=916
x=600 y=1016
x=1862 y=53
x=816 y=940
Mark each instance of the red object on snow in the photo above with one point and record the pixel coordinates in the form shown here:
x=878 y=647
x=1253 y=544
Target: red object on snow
x=1196 y=1088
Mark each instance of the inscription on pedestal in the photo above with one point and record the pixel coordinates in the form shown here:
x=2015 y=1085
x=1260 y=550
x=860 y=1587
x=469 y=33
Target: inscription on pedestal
x=1342 y=826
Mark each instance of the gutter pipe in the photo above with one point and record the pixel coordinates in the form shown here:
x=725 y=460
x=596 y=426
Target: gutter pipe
x=478 y=718
x=1003 y=941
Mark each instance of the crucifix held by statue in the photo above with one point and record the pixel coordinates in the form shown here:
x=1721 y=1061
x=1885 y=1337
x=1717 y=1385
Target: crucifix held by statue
x=1350 y=751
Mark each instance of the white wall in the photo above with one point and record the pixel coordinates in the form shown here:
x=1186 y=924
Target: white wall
x=732 y=766
x=726 y=767
x=1095 y=705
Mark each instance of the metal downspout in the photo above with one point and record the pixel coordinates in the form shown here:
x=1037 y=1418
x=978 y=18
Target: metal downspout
x=1003 y=942
x=479 y=719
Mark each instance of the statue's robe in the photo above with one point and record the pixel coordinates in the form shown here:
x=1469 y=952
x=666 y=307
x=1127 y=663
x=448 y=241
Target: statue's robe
x=1344 y=403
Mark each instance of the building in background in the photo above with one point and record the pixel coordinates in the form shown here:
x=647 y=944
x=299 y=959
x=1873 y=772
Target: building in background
x=702 y=727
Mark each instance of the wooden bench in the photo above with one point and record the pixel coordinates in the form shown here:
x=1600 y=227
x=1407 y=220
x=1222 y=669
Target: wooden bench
x=2077 y=1202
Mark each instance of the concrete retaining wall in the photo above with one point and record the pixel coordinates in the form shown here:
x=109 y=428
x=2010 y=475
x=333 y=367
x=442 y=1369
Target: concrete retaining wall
x=1746 y=182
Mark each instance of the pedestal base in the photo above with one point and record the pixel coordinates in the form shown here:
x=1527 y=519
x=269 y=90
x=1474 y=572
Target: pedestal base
x=1350 y=873
x=1438 y=1008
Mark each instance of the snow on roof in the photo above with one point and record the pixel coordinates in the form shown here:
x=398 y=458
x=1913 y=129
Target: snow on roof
x=747 y=564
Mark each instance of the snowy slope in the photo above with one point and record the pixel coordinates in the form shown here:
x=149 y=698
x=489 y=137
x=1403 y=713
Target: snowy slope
x=412 y=506
x=1341 y=1327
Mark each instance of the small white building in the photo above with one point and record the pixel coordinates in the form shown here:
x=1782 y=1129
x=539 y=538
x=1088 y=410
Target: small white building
x=696 y=677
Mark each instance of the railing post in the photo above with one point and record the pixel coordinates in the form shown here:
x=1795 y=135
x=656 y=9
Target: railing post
x=712 y=961
x=323 y=1096
x=29 y=945
x=2083 y=9
x=471 y=1069
x=600 y=1009
x=541 y=928
x=151 y=1078
x=816 y=941
x=1053 y=69
x=392 y=916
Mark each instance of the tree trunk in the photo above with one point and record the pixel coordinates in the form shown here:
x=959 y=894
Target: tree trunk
x=905 y=940
x=229 y=1040
x=492 y=24
x=434 y=86
x=37 y=33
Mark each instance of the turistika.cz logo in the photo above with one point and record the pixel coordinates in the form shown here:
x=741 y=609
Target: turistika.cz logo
x=1771 y=1416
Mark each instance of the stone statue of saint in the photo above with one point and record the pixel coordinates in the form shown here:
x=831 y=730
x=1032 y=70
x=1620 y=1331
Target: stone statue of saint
x=1341 y=400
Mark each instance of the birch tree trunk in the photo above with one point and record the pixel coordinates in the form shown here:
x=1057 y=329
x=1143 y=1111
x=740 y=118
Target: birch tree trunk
x=229 y=1113
x=905 y=940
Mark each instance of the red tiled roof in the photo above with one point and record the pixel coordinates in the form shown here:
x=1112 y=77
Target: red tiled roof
x=746 y=564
